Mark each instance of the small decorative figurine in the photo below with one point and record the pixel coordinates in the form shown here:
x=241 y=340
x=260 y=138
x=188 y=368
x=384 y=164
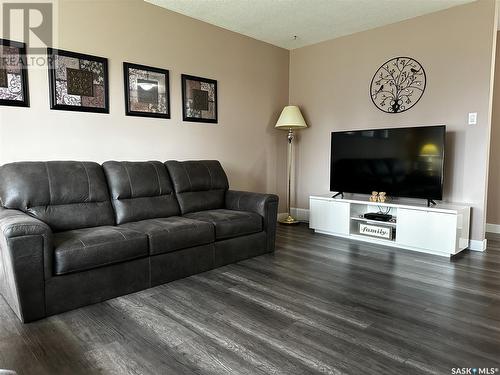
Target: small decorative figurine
x=382 y=197
x=374 y=197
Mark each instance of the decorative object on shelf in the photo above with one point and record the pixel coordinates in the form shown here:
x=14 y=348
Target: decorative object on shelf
x=13 y=74
x=374 y=196
x=146 y=91
x=382 y=197
x=290 y=119
x=78 y=82
x=398 y=85
x=199 y=99
x=375 y=231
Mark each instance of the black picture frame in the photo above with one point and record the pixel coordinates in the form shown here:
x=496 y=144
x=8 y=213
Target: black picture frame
x=185 y=115
x=51 y=56
x=126 y=79
x=24 y=75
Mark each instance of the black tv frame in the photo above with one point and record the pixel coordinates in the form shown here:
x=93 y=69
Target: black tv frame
x=430 y=200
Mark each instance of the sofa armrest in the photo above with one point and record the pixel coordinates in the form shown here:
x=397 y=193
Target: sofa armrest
x=265 y=205
x=25 y=263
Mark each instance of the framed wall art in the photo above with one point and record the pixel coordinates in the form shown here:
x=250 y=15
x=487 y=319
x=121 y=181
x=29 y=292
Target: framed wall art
x=13 y=74
x=78 y=82
x=199 y=99
x=147 y=91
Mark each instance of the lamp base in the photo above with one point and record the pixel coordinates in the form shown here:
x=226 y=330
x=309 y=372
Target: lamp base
x=289 y=220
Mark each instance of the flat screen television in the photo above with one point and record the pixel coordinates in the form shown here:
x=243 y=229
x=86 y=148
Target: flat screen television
x=403 y=162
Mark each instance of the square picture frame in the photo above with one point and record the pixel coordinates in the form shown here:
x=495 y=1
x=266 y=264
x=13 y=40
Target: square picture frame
x=14 y=90
x=78 y=82
x=147 y=91
x=199 y=99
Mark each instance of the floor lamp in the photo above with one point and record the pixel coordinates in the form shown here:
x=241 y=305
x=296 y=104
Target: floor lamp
x=290 y=119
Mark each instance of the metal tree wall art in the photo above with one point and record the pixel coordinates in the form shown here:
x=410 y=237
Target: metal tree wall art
x=398 y=85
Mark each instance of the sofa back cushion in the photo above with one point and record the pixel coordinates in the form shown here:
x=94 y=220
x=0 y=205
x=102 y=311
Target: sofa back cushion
x=140 y=190
x=199 y=185
x=64 y=194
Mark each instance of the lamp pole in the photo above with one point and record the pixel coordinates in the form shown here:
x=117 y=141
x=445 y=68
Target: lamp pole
x=289 y=219
x=289 y=120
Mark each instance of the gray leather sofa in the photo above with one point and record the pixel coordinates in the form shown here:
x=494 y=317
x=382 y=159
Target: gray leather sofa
x=76 y=233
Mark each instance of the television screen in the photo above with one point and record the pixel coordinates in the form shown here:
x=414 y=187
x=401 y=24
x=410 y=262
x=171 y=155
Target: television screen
x=403 y=162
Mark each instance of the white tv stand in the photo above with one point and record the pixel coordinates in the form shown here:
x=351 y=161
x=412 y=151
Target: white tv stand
x=442 y=229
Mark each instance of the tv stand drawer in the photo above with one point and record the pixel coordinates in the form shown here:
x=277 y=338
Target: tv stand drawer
x=329 y=216
x=427 y=230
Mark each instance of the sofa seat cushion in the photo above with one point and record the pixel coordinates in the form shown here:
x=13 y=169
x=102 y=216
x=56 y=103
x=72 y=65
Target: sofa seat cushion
x=83 y=249
x=173 y=233
x=229 y=223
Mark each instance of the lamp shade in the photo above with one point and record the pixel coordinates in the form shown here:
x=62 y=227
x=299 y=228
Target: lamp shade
x=291 y=118
x=429 y=149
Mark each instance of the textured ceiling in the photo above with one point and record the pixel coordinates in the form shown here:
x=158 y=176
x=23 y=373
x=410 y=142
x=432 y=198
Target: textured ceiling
x=312 y=21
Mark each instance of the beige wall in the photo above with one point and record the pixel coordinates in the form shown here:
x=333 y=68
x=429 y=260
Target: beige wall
x=252 y=84
x=330 y=81
x=494 y=178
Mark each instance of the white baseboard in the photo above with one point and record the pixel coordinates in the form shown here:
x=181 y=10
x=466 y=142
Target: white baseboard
x=493 y=228
x=478 y=245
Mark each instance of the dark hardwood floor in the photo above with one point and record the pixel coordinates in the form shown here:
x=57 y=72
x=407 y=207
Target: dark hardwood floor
x=317 y=305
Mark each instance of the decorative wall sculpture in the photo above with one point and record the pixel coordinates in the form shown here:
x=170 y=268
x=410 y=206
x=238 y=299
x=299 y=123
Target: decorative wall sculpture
x=398 y=85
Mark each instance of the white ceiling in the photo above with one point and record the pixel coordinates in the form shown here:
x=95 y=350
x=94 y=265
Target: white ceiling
x=312 y=21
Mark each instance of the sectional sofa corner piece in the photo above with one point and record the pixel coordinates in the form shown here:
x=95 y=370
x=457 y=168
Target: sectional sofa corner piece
x=76 y=233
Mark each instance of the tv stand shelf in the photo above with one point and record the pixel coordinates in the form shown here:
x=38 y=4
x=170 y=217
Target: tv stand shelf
x=442 y=229
x=375 y=222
